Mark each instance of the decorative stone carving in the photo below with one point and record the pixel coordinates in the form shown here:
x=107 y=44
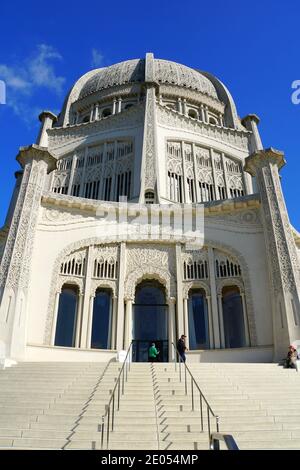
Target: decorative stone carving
x=172 y=119
x=149 y=147
x=150 y=262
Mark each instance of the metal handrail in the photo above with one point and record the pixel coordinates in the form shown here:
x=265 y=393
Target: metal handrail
x=216 y=437
x=110 y=408
x=209 y=411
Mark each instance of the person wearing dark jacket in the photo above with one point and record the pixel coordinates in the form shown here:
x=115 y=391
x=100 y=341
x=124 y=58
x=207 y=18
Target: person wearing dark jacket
x=181 y=347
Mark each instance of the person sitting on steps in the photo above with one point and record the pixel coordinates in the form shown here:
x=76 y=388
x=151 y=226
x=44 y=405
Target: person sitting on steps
x=291 y=358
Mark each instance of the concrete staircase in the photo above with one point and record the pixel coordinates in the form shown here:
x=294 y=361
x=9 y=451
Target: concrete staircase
x=59 y=406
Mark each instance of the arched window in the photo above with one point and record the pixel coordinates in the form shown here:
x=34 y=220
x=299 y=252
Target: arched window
x=149 y=197
x=198 y=320
x=67 y=317
x=101 y=326
x=213 y=121
x=193 y=113
x=233 y=318
x=86 y=119
x=106 y=112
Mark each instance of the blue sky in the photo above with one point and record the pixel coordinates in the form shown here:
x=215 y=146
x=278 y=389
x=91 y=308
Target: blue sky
x=253 y=47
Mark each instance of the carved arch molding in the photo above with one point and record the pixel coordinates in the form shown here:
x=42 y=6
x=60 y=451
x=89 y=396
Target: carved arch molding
x=150 y=262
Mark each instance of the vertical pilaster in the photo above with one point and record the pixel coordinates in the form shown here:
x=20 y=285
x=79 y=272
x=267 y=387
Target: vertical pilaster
x=87 y=295
x=180 y=319
x=171 y=325
x=120 y=315
x=53 y=332
x=17 y=256
x=72 y=172
x=280 y=248
x=227 y=189
x=90 y=322
x=128 y=323
x=210 y=322
x=214 y=305
x=222 y=332
x=114 y=322
x=186 y=321
x=78 y=320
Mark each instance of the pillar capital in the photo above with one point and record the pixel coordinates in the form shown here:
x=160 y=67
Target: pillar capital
x=263 y=158
x=250 y=118
x=37 y=153
x=171 y=300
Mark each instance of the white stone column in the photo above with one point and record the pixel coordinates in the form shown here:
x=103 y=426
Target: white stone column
x=55 y=314
x=114 y=105
x=186 y=321
x=128 y=321
x=206 y=113
x=120 y=316
x=179 y=282
x=214 y=173
x=114 y=175
x=114 y=322
x=97 y=112
x=82 y=181
x=171 y=325
x=87 y=294
x=213 y=291
x=78 y=320
x=210 y=322
x=184 y=108
x=92 y=113
x=202 y=114
x=72 y=172
x=247 y=335
x=47 y=119
x=227 y=189
x=119 y=105
x=179 y=106
x=90 y=322
x=184 y=182
x=197 y=188
x=221 y=320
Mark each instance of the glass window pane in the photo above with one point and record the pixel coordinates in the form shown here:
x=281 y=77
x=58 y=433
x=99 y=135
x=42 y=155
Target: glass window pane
x=101 y=320
x=234 y=328
x=66 y=318
x=198 y=321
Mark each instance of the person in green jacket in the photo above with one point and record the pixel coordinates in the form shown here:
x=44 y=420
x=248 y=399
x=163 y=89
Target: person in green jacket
x=153 y=353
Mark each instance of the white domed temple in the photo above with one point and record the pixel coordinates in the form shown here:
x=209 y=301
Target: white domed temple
x=148 y=139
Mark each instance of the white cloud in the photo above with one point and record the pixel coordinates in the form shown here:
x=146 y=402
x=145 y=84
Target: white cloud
x=97 y=58
x=29 y=76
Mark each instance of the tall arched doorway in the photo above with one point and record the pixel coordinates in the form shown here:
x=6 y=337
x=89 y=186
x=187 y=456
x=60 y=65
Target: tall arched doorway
x=150 y=321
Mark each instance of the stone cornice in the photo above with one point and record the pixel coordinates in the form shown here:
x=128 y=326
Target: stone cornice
x=107 y=94
x=197 y=96
x=92 y=206
x=132 y=117
x=171 y=118
x=36 y=152
x=262 y=158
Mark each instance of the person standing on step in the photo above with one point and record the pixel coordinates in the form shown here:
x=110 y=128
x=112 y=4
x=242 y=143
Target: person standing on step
x=153 y=353
x=181 y=347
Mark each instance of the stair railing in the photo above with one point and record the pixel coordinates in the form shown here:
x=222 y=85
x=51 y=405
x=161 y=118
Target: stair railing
x=216 y=437
x=194 y=387
x=108 y=419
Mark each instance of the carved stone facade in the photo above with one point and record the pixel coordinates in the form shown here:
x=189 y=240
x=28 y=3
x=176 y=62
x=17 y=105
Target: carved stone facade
x=140 y=139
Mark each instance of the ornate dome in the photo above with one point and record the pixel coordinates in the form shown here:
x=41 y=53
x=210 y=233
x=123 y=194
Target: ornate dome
x=132 y=71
